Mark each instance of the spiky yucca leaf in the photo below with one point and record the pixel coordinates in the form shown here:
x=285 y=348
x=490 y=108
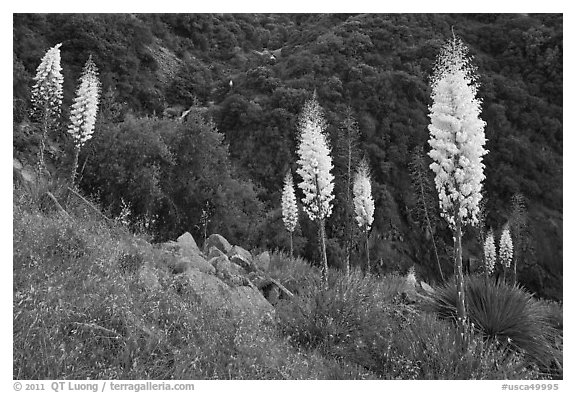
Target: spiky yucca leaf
x=504 y=312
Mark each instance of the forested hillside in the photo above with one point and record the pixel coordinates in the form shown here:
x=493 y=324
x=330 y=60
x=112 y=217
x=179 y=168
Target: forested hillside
x=245 y=79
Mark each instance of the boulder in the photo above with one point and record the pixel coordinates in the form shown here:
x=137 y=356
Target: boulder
x=224 y=266
x=237 y=250
x=214 y=253
x=185 y=263
x=242 y=301
x=270 y=288
x=263 y=261
x=244 y=263
x=248 y=302
x=218 y=241
x=187 y=243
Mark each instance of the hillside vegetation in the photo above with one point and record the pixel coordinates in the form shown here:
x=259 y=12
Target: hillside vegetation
x=245 y=79
x=94 y=301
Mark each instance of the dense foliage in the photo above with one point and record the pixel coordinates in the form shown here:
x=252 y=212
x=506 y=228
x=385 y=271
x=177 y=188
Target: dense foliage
x=252 y=74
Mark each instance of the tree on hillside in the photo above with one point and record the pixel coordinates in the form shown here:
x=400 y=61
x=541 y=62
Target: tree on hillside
x=84 y=110
x=518 y=229
x=47 y=97
x=426 y=208
x=363 y=203
x=457 y=148
x=289 y=208
x=346 y=155
x=315 y=164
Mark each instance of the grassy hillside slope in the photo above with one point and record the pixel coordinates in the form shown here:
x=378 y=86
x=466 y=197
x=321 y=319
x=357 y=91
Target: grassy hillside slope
x=92 y=302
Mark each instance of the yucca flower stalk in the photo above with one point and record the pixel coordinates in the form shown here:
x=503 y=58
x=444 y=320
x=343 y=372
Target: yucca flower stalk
x=289 y=208
x=363 y=203
x=489 y=254
x=506 y=252
x=47 y=97
x=84 y=110
x=315 y=164
x=457 y=146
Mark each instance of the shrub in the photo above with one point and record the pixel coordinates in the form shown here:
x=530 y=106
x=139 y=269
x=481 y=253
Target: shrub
x=504 y=313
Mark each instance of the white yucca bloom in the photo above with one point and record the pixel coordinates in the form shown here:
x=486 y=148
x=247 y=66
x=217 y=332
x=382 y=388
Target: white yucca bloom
x=456 y=135
x=85 y=107
x=47 y=89
x=489 y=253
x=506 y=247
x=315 y=162
x=363 y=202
x=289 y=208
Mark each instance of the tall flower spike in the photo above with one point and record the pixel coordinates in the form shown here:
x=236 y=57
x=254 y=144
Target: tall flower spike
x=315 y=162
x=289 y=207
x=47 y=89
x=363 y=202
x=489 y=253
x=47 y=97
x=457 y=147
x=456 y=134
x=506 y=247
x=85 y=106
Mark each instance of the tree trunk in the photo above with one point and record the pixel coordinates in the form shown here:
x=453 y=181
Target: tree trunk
x=461 y=305
x=324 y=256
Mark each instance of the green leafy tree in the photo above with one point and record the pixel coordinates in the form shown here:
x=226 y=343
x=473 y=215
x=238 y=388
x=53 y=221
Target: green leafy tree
x=519 y=230
x=346 y=158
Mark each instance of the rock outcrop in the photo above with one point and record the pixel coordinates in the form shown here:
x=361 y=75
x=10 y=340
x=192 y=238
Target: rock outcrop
x=218 y=241
x=224 y=277
x=263 y=261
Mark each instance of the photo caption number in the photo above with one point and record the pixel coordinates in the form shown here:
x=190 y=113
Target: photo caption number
x=34 y=386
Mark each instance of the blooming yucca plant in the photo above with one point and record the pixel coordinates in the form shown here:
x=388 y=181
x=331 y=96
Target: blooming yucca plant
x=506 y=248
x=47 y=96
x=489 y=253
x=363 y=203
x=84 y=110
x=315 y=164
x=289 y=208
x=457 y=147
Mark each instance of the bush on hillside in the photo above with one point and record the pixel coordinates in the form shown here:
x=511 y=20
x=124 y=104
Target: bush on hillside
x=504 y=313
x=361 y=320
